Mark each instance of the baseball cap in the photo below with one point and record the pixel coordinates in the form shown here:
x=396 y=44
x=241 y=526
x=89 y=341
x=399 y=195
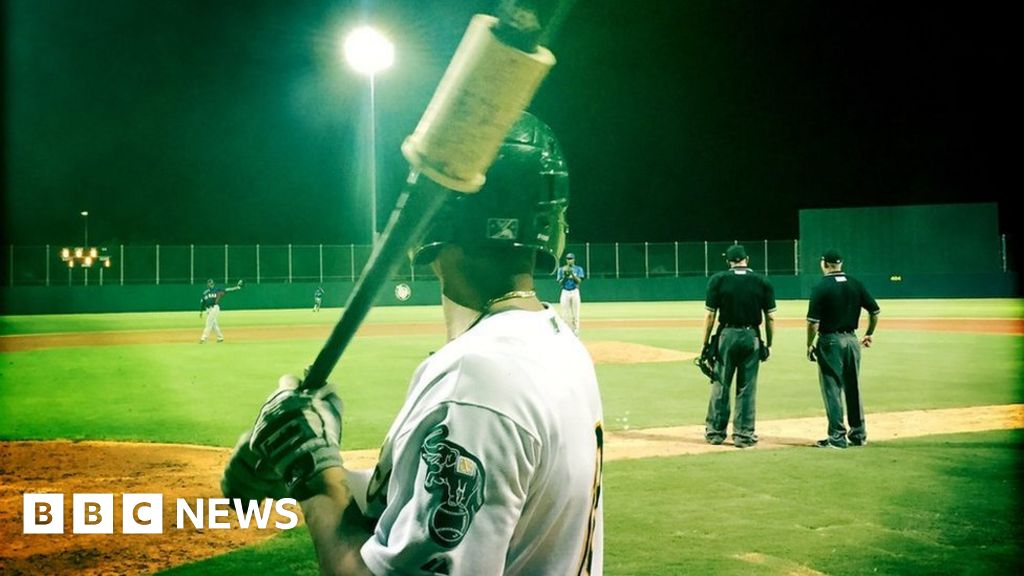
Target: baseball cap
x=735 y=253
x=570 y=256
x=832 y=256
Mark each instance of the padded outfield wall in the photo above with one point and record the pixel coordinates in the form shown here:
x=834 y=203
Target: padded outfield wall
x=924 y=251
x=906 y=241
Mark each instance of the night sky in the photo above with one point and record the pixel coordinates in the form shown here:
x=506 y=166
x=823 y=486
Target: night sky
x=200 y=121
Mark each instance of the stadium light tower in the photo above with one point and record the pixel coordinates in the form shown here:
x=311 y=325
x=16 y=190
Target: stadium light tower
x=85 y=219
x=369 y=52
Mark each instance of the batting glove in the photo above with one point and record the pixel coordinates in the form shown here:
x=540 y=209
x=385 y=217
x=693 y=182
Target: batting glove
x=298 y=434
x=244 y=478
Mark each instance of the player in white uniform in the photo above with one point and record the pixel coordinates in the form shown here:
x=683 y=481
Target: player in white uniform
x=499 y=442
x=493 y=465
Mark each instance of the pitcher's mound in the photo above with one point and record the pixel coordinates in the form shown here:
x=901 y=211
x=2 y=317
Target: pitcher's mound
x=611 y=352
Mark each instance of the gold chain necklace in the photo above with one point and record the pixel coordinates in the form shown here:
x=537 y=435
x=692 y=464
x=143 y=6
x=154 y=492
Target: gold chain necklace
x=510 y=296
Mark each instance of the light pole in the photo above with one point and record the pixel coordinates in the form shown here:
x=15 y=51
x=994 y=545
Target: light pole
x=85 y=219
x=368 y=52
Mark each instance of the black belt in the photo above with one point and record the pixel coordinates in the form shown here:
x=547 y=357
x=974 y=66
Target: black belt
x=838 y=332
x=739 y=326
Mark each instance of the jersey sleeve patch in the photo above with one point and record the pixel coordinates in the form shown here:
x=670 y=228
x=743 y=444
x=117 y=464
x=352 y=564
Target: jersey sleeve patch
x=455 y=480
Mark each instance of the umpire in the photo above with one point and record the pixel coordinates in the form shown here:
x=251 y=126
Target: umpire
x=737 y=297
x=833 y=315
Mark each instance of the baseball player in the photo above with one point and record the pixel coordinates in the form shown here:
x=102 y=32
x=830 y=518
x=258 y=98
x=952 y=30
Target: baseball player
x=494 y=463
x=210 y=304
x=833 y=316
x=318 y=298
x=569 y=277
x=738 y=298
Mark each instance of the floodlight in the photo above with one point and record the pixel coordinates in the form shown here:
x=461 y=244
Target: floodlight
x=368 y=51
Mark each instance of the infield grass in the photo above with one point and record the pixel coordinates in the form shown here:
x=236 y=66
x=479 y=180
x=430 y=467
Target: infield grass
x=60 y=323
x=206 y=394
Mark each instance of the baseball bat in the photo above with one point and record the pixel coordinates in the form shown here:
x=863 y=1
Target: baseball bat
x=491 y=79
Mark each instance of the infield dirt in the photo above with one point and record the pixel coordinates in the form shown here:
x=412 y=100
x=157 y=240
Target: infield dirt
x=20 y=342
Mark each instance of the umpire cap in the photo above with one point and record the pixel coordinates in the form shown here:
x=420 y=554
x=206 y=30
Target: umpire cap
x=832 y=256
x=735 y=253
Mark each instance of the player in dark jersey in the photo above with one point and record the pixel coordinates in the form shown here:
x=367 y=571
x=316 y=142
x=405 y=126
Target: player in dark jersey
x=318 y=298
x=210 y=304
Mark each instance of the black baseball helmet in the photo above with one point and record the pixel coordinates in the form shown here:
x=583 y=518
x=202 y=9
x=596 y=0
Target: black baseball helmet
x=522 y=203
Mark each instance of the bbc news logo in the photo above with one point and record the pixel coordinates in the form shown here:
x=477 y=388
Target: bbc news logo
x=144 y=513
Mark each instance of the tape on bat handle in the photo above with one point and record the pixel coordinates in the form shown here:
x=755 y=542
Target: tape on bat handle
x=483 y=92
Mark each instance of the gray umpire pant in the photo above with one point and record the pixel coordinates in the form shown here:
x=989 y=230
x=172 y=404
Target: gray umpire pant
x=738 y=356
x=839 y=375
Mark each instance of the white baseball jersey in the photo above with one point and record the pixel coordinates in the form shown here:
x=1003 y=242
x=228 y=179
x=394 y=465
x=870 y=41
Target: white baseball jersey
x=493 y=465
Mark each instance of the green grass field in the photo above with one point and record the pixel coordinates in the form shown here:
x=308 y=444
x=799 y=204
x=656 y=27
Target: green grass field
x=936 y=505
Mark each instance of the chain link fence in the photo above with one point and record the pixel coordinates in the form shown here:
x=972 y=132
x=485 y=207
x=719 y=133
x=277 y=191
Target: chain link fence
x=676 y=259
x=260 y=263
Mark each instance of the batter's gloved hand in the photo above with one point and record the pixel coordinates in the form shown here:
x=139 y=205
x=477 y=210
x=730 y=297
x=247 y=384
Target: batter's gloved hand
x=298 y=434
x=244 y=478
x=764 y=352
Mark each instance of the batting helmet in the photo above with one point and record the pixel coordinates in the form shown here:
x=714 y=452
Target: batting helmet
x=522 y=204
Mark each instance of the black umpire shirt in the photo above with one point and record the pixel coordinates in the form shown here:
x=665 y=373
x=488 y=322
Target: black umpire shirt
x=740 y=296
x=836 y=302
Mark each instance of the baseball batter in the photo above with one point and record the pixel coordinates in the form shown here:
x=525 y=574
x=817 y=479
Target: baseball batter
x=209 y=303
x=569 y=277
x=833 y=316
x=494 y=463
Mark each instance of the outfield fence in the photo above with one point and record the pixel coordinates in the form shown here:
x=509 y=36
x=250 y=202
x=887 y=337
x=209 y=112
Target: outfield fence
x=294 y=263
